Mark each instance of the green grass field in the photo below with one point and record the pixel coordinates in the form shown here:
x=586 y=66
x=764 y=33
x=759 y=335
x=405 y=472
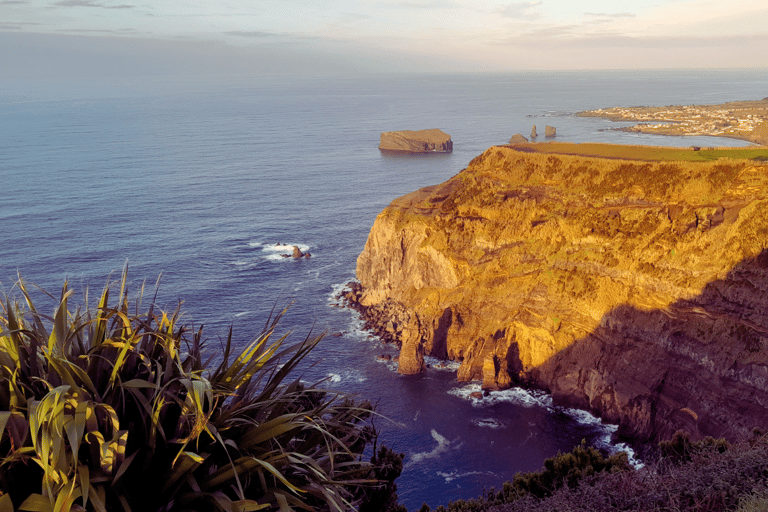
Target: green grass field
x=650 y=153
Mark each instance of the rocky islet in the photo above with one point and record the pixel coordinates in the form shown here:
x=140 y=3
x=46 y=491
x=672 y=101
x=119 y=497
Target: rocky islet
x=433 y=140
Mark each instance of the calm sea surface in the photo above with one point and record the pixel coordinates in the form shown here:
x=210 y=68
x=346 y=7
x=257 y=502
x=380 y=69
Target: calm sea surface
x=199 y=179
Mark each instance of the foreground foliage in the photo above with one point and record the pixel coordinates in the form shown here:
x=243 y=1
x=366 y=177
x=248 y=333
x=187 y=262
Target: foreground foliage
x=116 y=409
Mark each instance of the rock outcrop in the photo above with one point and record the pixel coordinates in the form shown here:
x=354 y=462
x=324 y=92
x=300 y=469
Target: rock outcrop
x=636 y=290
x=421 y=141
x=760 y=134
x=533 y=132
x=550 y=131
x=518 y=139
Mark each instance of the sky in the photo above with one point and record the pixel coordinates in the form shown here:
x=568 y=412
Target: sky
x=81 y=37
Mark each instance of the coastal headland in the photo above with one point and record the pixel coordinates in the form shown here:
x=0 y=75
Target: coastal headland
x=745 y=120
x=635 y=288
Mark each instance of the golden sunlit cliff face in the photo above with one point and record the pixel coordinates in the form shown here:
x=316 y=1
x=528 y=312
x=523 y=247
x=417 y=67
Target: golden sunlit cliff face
x=637 y=290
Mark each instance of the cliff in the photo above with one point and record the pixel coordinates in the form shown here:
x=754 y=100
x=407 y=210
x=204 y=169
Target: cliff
x=421 y=141
x=637 y=290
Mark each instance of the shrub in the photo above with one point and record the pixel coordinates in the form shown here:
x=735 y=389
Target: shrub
x=680 y=449
x=564 y=470
x=109 y=409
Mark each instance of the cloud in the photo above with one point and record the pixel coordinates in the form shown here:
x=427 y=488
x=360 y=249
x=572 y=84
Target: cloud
x=15 y=25
x=98 y=31
x=564 y=36
x=614 y=15
x=524 y=10
x=258 y=34
x=13 y=2
x=86 y=3
x=428 y=5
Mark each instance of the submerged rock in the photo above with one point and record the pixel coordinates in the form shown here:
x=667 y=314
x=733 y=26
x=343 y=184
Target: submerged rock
x=421 y=141
x=636 y=290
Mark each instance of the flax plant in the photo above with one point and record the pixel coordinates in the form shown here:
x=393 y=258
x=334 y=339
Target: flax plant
x=115 y=408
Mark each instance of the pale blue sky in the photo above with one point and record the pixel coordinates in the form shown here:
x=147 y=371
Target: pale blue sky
x=370 y=35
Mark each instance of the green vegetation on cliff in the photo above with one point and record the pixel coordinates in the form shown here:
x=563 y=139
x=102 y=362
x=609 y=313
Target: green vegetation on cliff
x=647 y=153
x=116 y=408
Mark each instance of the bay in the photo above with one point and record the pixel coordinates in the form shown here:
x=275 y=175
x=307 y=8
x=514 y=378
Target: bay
x=197 y=180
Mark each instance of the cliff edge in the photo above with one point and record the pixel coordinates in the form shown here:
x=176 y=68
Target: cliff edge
x=636 y=290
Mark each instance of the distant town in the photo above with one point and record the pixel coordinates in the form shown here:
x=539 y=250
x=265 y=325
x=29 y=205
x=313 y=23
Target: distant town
x=747 y=120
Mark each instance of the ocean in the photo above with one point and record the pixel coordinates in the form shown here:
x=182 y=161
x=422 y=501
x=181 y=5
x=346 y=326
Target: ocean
x=202 y=181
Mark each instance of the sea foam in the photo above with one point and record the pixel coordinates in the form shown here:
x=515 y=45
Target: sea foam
x=536 y=398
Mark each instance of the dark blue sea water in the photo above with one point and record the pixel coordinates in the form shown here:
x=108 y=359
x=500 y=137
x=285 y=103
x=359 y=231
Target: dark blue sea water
x=198 y=179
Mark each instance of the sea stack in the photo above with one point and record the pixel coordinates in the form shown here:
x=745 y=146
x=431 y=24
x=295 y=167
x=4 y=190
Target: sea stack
x=420 y=141
x=550 y=131
x=533 y=132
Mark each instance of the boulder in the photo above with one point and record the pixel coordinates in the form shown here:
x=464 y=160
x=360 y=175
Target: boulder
x=421 y=141
x=550 y=131
x=518 y=139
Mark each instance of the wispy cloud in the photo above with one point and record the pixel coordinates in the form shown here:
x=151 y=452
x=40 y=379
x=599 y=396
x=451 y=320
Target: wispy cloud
x=256 y=34
x=86 y=3
x=15 y=25
x=525 y=10
x=98 y=31
x=566 y=36
x=613 y=15
x=13 y=2
x=428 y=5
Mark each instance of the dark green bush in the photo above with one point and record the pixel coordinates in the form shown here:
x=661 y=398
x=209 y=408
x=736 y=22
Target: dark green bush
x=566 y=469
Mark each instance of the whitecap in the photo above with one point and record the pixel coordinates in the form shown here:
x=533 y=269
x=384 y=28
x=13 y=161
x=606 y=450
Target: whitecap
x=442 y=447
x=242 y=313
x=488 y=423
x=284 y=248
x=442 y=364
x=347 y=376
x=454 y=475
x=517 y=396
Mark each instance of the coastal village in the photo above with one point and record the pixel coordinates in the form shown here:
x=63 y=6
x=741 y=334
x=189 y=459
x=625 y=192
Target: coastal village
x=746 y=120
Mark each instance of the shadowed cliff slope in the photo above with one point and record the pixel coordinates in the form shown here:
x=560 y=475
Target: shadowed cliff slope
x=634 y=289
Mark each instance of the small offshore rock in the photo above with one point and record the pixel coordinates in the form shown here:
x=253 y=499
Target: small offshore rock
x=533 y=132
x=297 y=252
x=477 y=395
x=550 y=131
x=420 y=141
x=518 y=139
